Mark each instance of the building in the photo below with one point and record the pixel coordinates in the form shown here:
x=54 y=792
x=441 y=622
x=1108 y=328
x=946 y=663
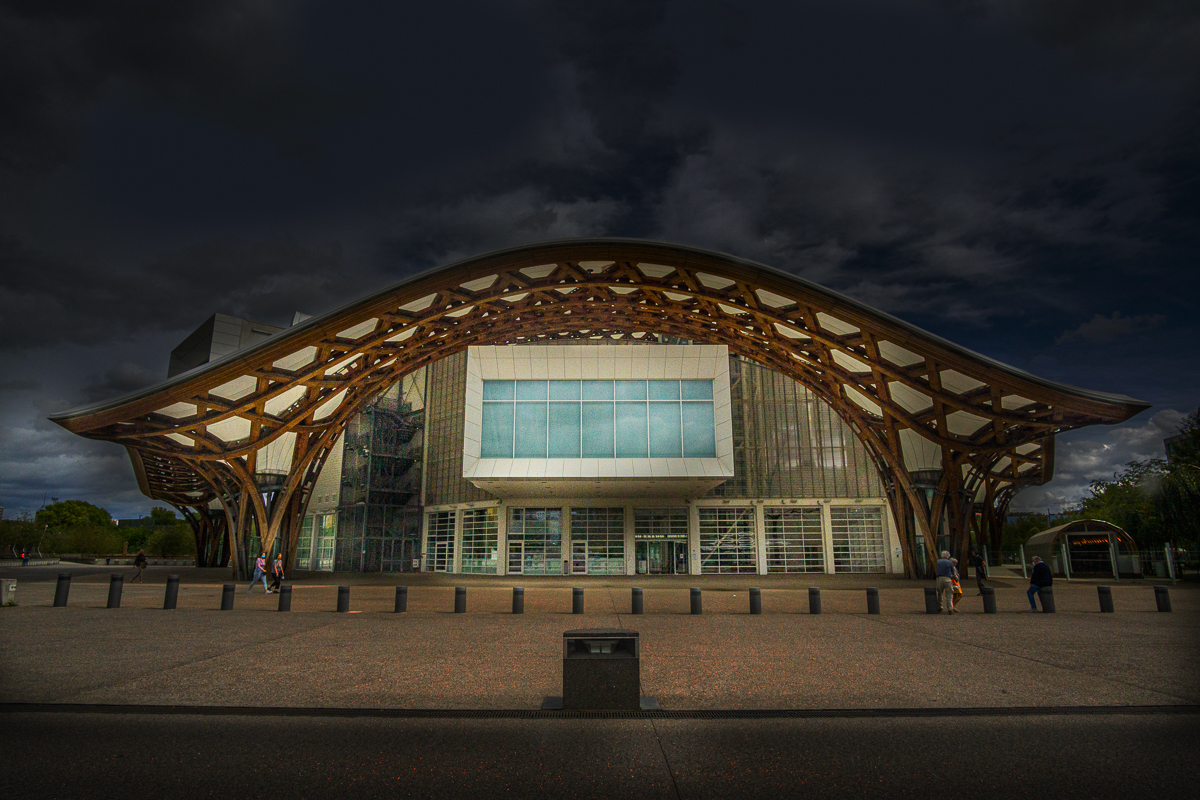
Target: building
x=814 y=433
x=704 y=462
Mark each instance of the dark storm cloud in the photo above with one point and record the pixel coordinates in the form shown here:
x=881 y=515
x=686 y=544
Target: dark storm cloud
x=1018 y=176
x=44 y=301
x=228 y=60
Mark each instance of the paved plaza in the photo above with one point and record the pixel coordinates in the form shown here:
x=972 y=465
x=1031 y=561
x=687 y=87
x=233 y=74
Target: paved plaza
x=488 y=658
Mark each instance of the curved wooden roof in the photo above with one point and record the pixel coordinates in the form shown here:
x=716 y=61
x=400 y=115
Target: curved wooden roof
x=919 y=402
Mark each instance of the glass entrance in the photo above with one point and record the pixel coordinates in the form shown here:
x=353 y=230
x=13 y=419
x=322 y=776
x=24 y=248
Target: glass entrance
x=516 y=557
x=662 y=557
x=578 y=557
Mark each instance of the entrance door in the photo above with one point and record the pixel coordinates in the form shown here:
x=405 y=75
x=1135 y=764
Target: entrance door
x=679 y=561
x=655 y=555
x=516 y=557
x=578 y=556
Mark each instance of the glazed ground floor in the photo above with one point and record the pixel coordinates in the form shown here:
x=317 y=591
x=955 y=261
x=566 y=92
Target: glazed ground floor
x=608 y=537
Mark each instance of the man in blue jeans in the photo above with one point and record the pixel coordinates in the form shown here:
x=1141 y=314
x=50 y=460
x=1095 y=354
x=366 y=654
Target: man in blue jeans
x=945 y=582
x=1040 y=579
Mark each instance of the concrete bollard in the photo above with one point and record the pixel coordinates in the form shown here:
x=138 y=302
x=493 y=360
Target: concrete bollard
x=285 y=598
x=577 y=600
x=1104 y=593
x=401 y=599
x=227 y=591
x=171 y=596
x=872 y=600
x=1162 y=598
x=931 y=600
x=62 y=589
x=814 y=601
x=460 y=599
x=1047 y=595
x=343 y=605
x=518 y=599
x=116 y=582
x=697 y=601
x=637 y=601
x=989 y=600
x=755 y=601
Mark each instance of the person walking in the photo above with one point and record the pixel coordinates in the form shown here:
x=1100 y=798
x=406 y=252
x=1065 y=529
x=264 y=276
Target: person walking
x=956 y=591
x=25 y=557
x=1038 y=580
x=945 y=582
x=139 y=563
x=981 y=573
x=277 y=572
x=260 y=571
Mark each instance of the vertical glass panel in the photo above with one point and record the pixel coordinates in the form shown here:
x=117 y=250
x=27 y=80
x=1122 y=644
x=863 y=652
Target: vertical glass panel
x=699 y=431
x=597 y=429
x=697 y=390
x=531 y=390
x=531 y=430
x=498 y=390
x=564 y=390
x=497 y=436
x=564 y=429
x=630 y=390
x=664 y=431
x=597 y=390
x=664 y=390
x=631 y=429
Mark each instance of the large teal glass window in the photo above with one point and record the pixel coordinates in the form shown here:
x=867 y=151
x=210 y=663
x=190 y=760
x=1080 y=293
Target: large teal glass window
x=598 y=419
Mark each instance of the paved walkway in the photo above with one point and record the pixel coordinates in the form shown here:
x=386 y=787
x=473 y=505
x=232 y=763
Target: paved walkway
x=491 y=659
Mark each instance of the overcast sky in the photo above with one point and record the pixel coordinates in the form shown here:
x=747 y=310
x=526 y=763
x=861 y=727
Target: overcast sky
x=1018 y=176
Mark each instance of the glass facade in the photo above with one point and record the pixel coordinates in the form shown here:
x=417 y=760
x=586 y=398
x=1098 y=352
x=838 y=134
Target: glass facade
x=480 y=541
x=787 y=443
x=379 y=505
x=598 y=419
x=598 y=541
x=794 y=539
x=858 y=539
x=535 y=541
x=727 y=541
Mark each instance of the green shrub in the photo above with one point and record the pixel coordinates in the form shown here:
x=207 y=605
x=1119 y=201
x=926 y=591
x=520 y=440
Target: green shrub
x=171 y=541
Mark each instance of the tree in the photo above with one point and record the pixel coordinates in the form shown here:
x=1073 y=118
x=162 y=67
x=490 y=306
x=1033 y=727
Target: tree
x=72 y=514
x=163 y=516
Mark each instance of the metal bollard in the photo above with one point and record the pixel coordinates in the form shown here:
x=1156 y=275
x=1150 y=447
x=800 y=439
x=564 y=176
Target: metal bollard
x=518 y=599
x=1104 y=593
x=285 y=598
x=343 y=605
x=1162 y=598
x=227 y=591
x=577 y=600
x=989 y=600
x=872 y=601
x=931 y=600
x=62 y=589
x=460 y=599
x=1047 y=595
x=637 y=601
x=697 y=601
x=171 y=597
x=116 y=582
x=401 y=599
x=814 y=601
x=755 y=601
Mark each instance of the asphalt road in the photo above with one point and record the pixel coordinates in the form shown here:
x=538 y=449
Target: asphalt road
x=84 y=755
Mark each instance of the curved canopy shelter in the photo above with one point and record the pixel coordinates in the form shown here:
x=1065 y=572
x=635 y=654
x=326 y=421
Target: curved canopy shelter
x=951 y=432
